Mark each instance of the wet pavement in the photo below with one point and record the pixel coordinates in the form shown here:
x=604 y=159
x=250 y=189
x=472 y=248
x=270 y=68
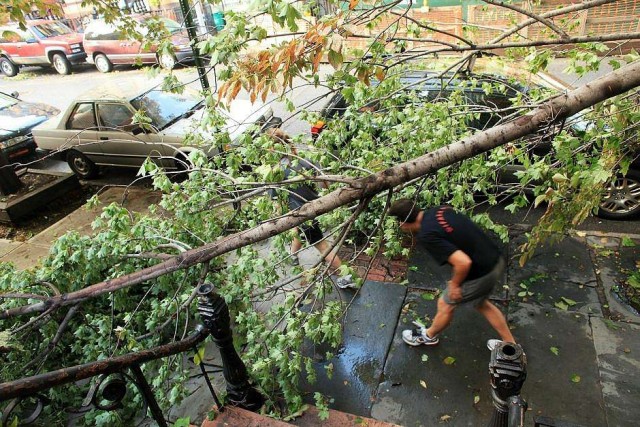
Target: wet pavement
x=581 y=342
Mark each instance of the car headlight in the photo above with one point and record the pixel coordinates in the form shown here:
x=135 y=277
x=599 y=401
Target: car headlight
x=15 y=141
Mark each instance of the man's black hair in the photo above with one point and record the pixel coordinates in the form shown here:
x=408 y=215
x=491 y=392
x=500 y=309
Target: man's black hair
x=405 y=210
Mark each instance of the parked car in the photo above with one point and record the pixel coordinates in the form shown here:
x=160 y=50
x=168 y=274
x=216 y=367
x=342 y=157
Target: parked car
x=106 y=45
x=43 y=42
x=17 y=119
x=98 y=130
x=621 y=199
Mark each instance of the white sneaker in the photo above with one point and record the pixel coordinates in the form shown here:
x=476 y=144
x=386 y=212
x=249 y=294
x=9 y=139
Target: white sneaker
x=418 y=336
x=493 y=343
x=345 y=282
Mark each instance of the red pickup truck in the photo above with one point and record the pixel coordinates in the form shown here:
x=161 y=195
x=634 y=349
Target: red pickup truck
x=44 y=42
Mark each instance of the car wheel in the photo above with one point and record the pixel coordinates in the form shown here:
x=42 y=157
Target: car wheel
x=167 y=61
x=81 y=165
x=622 y=197
x=61 y=63
x=8 y=68
x=102 y=63
x=183 y=165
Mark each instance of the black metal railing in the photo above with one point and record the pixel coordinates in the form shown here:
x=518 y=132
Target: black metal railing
x=114 y=375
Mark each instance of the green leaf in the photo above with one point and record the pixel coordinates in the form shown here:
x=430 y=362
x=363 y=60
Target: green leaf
x=634 y=281
x=425 y=358
x=199 y=356
x=335 y=59
x=575 y=378
x=304 y=408
x=428 y=296
x=449 y=360
x=182 y=422
x=561 y=305
x=569 y=301
x=541 y=198
x=476 y=399
x=554 y=350
x=628 y=242
x=611 y=324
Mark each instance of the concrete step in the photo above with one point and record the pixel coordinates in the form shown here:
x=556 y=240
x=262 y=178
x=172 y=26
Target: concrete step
x=236 y=417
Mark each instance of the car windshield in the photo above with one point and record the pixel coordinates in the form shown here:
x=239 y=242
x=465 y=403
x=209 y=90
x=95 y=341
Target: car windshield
x=171 y=25
x=163 y=108
x=51 y=29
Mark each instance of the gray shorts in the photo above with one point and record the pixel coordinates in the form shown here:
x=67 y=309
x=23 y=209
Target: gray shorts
x=478 y=290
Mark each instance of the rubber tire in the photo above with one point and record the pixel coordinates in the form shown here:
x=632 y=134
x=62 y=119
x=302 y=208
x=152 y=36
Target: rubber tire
x=630 y=190
x=81 y=165
x=166 y=61
x=61 y=64
x=183 y=166
x=106 y=65
x=8 y=68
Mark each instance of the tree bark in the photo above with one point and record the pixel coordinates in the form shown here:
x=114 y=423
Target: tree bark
x=555 y=110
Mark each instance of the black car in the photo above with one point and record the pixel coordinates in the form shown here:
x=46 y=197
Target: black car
x=621 y=200
x=17 y=118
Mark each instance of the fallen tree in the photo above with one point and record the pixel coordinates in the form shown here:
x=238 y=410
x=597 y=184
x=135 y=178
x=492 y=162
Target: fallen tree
x=130 y=285
x=554 y=111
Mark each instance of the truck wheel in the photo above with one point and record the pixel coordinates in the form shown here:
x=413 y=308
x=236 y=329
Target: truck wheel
x=8 y=68
x=61 y=63
x=81 y=165
x=167 y=61
x=102 y=63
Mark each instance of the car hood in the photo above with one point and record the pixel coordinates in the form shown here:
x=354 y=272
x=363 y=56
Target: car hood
x=240 y=117
x=21 y=117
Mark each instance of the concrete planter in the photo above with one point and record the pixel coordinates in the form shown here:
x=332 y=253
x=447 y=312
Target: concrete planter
x=17 y=207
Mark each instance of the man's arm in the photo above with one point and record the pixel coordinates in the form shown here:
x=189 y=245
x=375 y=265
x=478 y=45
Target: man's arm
x=461 y=264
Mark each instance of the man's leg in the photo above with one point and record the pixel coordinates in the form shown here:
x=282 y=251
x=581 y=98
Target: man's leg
x=443 y=317
x=496 y=319
x=296 y=245
x=332 y=258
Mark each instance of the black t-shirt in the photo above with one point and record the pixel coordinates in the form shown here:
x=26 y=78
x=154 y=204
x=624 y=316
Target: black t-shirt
x=444 y=231
x=297 y=194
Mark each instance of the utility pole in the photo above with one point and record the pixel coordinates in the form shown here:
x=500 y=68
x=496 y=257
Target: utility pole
x=191 y=31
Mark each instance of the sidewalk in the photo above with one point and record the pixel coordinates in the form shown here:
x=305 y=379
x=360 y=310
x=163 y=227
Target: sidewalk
x=593 y=380
x=26 y=254
x=567 y=304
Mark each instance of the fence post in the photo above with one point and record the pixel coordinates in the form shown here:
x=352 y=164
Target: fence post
x=508 y=371
x=215 y=315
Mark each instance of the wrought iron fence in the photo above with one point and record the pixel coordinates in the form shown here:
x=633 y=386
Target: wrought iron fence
x=113 y=376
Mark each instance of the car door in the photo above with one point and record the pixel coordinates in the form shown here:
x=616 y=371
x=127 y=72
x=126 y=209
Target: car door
x=122 y=142
x=114 y=43
x=22 y=47
x=81 y=131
